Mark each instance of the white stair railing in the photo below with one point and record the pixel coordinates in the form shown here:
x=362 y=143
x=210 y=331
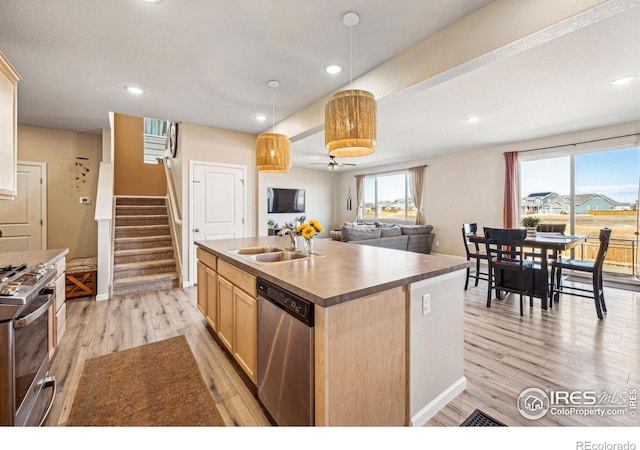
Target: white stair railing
x=175 y=217
x=104 y=217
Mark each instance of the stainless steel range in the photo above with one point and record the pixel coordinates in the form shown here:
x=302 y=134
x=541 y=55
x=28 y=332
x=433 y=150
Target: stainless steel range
x=26 y=294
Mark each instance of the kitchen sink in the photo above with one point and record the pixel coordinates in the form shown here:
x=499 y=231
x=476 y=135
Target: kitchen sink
x=266 y=255
x=256 y=250
x=279 y=256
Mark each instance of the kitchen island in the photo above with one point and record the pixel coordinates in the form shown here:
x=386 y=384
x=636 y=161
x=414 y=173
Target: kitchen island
x=388 y=333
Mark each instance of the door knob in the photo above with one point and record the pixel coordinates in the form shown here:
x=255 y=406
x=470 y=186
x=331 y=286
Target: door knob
x=196 y=230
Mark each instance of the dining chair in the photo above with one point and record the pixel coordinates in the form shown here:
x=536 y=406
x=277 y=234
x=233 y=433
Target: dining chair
x=596 y=290
x=474 y=254
x=509 y=270
x=552 y=228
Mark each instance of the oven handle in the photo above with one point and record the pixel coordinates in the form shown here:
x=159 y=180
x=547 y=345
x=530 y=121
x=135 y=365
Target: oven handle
x=37 y=313
x=47 y=383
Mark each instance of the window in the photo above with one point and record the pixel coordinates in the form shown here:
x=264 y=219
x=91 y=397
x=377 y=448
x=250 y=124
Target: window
x=388 y=197
x=589 y=190
x=155 y=140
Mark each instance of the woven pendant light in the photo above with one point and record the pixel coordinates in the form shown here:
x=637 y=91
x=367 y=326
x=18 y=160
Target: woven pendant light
x=273 y=151
x=350 y=116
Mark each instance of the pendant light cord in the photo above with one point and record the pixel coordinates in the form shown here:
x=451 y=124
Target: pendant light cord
x=351 y=55
x=273 y=113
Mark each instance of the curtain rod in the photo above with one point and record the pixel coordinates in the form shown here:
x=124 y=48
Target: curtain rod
x=390 y=171
x=576 y=143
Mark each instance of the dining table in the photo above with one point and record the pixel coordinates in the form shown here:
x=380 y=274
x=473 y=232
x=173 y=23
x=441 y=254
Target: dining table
x=547 y=243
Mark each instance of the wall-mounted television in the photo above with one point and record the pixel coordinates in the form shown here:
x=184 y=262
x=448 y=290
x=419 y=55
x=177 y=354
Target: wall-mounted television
x=285 y=200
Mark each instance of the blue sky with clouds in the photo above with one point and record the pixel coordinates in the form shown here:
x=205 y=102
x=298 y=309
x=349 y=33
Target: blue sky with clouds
x=612 y=173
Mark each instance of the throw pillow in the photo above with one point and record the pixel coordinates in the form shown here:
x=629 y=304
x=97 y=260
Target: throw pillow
x=416 y=229
x=359 y=233
x=390 y=231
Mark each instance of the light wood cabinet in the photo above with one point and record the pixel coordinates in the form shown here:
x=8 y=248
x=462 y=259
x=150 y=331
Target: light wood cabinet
x=246 y=332
x=212 y=299
x=202 y=288
x=225 y=312
x=227 y=297
x=8 y=129
x=58 y=311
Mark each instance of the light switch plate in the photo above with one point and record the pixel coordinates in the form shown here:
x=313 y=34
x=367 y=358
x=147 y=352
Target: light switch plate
x=426 y=304
x=85 y=200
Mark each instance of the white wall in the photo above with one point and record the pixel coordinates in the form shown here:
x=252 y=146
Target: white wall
x=209 y=144
x=318 y=185
x=466 y=186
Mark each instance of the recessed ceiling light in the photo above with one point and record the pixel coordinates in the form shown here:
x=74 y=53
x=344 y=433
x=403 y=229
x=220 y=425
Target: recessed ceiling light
x=134 y=90
x=333 y=68
x=472 y=119
x=623 y=80
x=152 y=1
x=260 y=117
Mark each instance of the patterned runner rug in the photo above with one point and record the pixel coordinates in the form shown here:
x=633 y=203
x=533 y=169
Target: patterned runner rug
x=157 y=384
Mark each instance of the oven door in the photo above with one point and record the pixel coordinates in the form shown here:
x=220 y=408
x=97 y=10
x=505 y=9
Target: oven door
x=31 y=334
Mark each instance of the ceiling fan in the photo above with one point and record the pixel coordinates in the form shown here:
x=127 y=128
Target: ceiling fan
x=333 y=164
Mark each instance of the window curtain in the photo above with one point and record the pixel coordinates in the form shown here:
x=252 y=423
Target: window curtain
x=511 y=191
x=359 y=197
x=416 y=180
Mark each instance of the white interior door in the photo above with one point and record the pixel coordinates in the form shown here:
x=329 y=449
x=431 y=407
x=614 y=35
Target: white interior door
x=22 y=220
x=218 y=204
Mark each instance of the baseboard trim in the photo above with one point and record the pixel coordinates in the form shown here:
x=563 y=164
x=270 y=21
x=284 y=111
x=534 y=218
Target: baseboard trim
x=432 y=408
x=101 y=297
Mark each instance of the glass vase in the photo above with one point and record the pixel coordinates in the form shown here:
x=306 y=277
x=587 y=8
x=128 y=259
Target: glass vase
x=308 y=246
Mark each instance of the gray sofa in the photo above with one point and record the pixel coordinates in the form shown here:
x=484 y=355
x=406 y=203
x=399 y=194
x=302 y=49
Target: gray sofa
x=412 y=238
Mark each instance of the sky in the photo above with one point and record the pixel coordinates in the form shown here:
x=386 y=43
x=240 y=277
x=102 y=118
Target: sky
x=390 y=188
x=612 y=173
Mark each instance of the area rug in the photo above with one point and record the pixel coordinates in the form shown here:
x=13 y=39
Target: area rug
x=157 y=384
x=481 y=419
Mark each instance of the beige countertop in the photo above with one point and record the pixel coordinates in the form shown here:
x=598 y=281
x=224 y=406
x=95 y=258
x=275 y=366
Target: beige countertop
x=32 y=257
x=341 y=272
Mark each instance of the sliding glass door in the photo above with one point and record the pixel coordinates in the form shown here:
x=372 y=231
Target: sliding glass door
x=588 y=191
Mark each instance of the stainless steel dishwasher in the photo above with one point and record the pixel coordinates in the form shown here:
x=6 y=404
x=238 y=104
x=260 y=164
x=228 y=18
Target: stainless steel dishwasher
x=285 y=355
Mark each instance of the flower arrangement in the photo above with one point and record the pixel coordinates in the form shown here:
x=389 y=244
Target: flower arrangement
x=308 y=231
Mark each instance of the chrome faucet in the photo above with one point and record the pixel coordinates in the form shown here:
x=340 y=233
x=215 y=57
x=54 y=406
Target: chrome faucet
x=292 y=235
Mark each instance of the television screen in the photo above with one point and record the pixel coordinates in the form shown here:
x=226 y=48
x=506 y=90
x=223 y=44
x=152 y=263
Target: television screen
x=285 y=200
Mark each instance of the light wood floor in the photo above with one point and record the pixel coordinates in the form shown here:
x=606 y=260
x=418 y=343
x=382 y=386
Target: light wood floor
x=565 y=348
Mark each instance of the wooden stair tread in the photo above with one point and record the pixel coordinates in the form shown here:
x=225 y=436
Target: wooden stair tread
x=139 y=251
x=146 y=278
x=131 y=227
x=159 y=237
x=143 y=264
x=141 y=216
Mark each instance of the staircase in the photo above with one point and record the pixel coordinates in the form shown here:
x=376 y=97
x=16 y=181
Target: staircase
x=143 y=256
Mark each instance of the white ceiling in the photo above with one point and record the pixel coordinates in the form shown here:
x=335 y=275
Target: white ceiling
x=208 y=62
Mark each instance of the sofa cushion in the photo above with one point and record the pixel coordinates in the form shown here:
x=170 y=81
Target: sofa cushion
x=416 y=229
x=359 y=233
x=385 y=225
x=390 y=231
x=394 y=242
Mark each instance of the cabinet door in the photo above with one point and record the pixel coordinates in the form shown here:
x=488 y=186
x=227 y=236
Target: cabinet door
x=212 y=299
x=246 y=333
x=202 y=288
x=8 y=128
x=225 y=312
